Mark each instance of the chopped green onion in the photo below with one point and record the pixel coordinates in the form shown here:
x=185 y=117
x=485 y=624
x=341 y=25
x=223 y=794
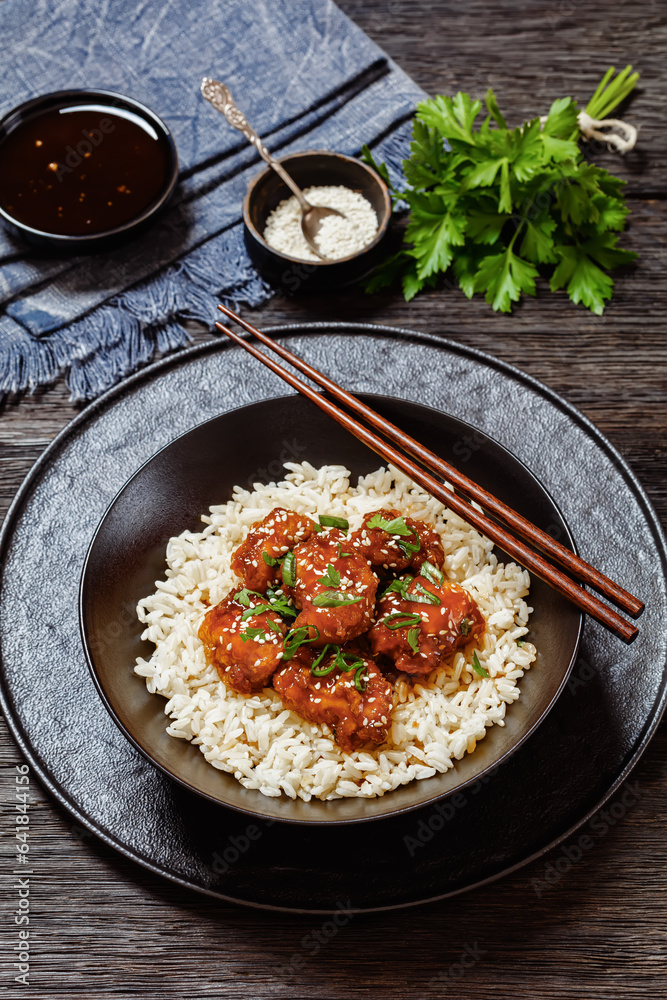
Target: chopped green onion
x=334 y=599
x=251 y=633
x=298 y=637
x=334 y=522
x=413 y=639
x=315 y=668
x=477 y=666
x=399 y=587
x=432 y=574
x=400 y=619
x=289 y=569
x=464 y=627
x=318 y=528
x=423 y=597
x=361 y=682
x=410 y=547
x=331 y=578
x=520 y=642
x=343 y=555
x=342 y=661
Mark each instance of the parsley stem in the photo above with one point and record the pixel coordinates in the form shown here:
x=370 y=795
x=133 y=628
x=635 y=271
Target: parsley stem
x=609 y=95
x=600 y=87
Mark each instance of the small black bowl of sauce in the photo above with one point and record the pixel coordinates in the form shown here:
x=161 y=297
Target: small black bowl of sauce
x=83 y=169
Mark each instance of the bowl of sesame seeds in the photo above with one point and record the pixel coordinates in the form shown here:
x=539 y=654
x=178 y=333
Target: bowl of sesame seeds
x=351 y=245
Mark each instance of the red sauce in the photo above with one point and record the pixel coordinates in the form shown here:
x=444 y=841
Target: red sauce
x=82 y=169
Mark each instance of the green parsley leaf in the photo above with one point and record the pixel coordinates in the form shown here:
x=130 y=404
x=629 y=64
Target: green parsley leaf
x=252 y=633
x=526 y=192
x=331 y=578
x=253 y=610
x=398 y=587
x=580 y=269
x=243 y=597
x=397 y=526
x=280 y=604
x=503 y=277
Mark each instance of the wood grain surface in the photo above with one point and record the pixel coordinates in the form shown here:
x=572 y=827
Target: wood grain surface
x=103 y=927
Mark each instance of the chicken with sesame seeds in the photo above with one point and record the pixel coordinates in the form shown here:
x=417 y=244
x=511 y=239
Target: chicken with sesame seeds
x=332 y=585
x=420 y=621
x=356 y=702
x=395 y=542
x=243 y=640
x=257 y=559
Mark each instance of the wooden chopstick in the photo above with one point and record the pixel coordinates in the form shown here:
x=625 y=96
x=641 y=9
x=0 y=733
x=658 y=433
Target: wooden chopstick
x=532 y=560
x=575 y=565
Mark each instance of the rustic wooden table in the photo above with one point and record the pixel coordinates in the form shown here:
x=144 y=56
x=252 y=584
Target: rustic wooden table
x=103 y=926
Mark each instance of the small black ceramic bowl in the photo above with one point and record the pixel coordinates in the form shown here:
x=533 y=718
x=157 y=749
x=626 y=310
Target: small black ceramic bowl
x=173 y=489
x=315 y=168
x=82 y=170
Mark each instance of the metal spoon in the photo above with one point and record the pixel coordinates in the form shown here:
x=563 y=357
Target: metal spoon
x=311 y=215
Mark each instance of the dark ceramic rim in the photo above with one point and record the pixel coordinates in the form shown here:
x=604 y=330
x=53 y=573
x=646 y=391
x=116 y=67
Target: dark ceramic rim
x=383 y=224
x=259 y=813
x=114 y=100
x=113 y=395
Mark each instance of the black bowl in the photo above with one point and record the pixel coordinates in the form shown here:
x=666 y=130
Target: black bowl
x=107 y=237
x=198 y=469
x=314 y=168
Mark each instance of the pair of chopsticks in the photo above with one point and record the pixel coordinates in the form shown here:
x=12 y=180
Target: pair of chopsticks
x=514 y=544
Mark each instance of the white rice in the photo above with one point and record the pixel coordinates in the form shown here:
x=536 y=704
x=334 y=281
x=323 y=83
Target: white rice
x=435 y=720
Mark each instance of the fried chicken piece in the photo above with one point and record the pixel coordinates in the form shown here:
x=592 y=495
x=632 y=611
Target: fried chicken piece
x=395 y=549
x=327 y=572
x=429 y=631
x=245 y=648
x=357 y=718
x=275 y=535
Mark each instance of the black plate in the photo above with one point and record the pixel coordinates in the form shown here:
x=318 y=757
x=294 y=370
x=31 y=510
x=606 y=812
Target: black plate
x=201 y=468
x=575 y=760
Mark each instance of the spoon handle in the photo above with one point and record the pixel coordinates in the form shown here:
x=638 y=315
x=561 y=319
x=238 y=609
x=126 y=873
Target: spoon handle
x=221 y=98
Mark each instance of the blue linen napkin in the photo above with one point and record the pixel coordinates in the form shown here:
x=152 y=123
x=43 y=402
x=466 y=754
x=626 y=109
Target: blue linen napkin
x=306 y=77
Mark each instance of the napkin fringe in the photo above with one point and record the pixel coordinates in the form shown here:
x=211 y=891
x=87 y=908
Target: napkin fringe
x=118 y=338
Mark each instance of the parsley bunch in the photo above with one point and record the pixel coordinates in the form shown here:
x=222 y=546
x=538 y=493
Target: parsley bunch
x=498 y=206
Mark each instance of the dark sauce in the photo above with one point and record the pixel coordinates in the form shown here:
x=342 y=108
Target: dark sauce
x=77 y=170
